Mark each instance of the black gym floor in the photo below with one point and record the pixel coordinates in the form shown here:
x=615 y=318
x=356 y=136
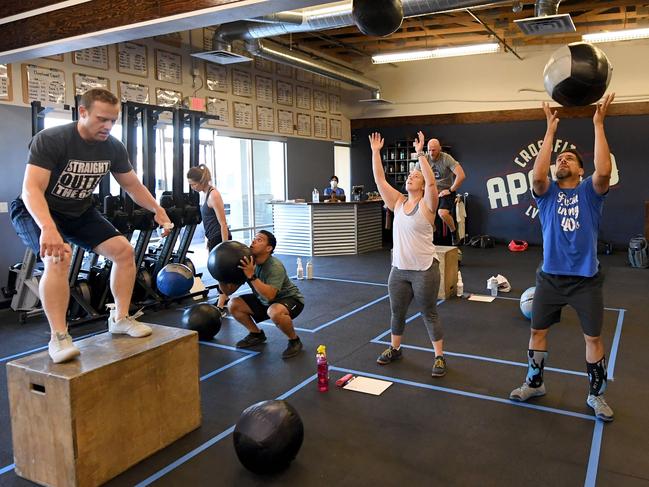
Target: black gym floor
x=457 y=430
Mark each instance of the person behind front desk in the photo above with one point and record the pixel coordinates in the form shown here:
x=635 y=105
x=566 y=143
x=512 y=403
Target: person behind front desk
x=333 y=192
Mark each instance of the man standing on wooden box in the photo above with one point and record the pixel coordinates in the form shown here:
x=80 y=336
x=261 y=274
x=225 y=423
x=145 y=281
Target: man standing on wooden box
x=570 y=210
x=55 y=209
x=449 y=176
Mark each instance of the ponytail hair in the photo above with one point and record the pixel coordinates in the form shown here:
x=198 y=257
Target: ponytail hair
x=200 y=174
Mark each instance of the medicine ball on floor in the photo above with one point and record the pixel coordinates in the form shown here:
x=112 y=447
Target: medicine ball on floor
x=268 y=436
x=577 y=74
x=526 y=302
x=377 y=17
x=204 y=318
x=174 y=280
x=224 y=260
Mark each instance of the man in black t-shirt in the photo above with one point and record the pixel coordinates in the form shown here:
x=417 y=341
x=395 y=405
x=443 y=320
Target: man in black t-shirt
x=55 y=209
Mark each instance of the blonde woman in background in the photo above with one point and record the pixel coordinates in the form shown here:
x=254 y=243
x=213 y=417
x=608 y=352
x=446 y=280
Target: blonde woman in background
x=214 y=222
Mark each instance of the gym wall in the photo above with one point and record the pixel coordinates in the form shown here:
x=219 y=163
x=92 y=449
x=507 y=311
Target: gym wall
x=497 y=157
x=309 y=164
x=15 y=134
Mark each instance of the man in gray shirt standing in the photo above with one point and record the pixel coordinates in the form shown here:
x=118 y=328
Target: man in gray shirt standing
x=449 y=175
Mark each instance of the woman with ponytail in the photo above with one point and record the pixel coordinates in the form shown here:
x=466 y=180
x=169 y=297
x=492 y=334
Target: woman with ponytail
x=213 y=214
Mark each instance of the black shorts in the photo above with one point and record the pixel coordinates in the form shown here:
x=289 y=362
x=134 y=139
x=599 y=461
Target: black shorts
x=87 y=230
x=260 y=310
x=584 y=294
x=447 y=202
x=213 y=242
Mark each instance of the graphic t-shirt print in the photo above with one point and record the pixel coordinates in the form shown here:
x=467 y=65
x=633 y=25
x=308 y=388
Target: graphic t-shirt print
x=79 y=179
x=568 y=210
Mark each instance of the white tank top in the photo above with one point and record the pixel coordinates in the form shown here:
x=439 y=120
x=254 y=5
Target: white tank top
x=412 y=238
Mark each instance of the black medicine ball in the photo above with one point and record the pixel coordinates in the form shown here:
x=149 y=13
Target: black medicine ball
x=224 y=260
x=577 y=74
x=377 y=17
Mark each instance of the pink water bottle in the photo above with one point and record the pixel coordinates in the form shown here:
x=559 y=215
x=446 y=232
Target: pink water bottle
x=323 y=368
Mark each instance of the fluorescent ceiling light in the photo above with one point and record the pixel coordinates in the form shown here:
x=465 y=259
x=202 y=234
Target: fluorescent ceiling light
x=396 y=57
x=618 y=35
x=338 y=8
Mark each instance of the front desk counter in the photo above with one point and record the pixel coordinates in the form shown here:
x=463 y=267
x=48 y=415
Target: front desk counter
x=340 y=228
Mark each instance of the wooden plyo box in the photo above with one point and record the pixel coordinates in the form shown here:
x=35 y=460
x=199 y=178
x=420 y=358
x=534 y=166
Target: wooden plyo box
x=448 y=267
x=83 y=422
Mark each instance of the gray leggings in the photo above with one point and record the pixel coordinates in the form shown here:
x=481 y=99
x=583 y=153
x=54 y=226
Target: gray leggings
x=423 y=286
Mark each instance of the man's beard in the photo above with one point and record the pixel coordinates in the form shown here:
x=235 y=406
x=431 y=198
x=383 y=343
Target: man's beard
x=563 y=173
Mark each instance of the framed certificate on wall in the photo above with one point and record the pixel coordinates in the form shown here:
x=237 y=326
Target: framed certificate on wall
x=168 y=98
x=242 y=115
x=265 y=119
x=320 y=127
x=285 y=122
x=216 y=77
x=84 y=82
x=93 y=57
x=132 y=59
x=46 y=85
x=128 y=91
x=168 y=67
x=6 y=90
x=304 y=124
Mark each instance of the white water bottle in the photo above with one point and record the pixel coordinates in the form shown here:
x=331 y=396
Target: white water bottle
x=309 y=270
x=315 y=196
x=459 y=289
x=300 y=269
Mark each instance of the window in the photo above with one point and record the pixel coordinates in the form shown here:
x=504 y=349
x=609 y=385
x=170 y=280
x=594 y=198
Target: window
x=342 y=167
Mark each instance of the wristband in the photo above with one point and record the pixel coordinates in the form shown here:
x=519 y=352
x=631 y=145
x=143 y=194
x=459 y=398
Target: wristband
x=253 y=278
x=421 y=153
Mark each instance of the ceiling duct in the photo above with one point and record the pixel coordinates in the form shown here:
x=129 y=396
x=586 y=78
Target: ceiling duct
x=278 y=53
x=547 y=20
x=311 y=22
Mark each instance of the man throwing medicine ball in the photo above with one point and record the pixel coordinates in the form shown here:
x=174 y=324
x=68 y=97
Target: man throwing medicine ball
x=64 y=166
x=274 y=296
x=570 y=210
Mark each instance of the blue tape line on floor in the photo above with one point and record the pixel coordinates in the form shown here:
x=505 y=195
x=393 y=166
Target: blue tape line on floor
x=467 y=394
x=185 y=458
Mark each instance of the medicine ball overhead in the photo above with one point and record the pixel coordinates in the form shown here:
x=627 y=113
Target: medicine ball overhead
x=577 y=74
x=378 y=18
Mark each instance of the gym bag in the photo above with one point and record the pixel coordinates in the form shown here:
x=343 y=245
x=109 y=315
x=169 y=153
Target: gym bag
x=639 y=252
x=482 y=242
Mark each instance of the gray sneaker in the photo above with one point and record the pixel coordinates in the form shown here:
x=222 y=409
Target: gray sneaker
x=439 y=366
x=525 y=392
x=128 y=325
x=602 y=410
x=61 y=348
x=389 y=355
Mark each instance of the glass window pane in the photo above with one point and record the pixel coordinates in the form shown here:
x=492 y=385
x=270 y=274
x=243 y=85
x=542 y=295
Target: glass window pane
x=231 y=175
x=269 y=181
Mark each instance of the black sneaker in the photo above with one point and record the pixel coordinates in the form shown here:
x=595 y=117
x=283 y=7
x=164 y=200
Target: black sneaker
x=439 y=366
x=455 y=240
x=252 y=339
x=294 y=347
x=389 y=355
x=222 y=311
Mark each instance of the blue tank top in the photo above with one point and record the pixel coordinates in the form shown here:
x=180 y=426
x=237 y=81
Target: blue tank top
x=210 y=222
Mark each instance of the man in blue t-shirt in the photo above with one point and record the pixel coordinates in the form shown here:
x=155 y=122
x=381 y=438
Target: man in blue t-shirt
x=570 y=210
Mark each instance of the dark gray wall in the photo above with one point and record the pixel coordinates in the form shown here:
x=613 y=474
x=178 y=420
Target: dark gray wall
x=15 y=133
x=309 y=164
x=490 y=150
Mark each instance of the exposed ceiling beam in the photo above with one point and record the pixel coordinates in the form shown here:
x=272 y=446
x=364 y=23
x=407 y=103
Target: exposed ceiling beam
x=103 y=22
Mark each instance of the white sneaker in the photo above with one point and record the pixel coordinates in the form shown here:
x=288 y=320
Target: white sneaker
x=128 y=325
x=602 y=410
x=525 y=392
x=61 y=348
